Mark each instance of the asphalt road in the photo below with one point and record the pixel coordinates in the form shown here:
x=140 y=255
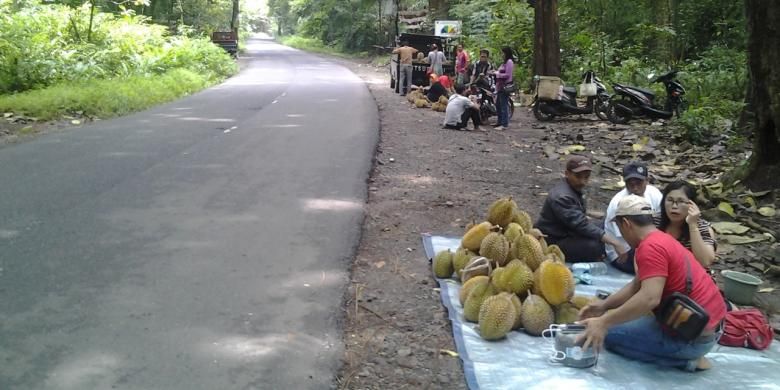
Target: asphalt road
x=203 y=244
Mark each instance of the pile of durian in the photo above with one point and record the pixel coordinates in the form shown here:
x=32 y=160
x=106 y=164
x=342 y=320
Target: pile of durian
x=419 y=100
x=511 y=278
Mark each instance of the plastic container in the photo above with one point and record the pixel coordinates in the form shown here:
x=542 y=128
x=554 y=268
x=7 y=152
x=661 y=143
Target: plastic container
x=588 y=89
x=740 y=287
x=548 y=87
x=566 y=349
x=594 y=268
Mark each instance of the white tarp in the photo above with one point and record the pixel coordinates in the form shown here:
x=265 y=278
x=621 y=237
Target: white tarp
x=521 y=361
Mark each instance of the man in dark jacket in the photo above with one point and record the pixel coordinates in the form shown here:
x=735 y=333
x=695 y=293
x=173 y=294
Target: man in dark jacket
x=563 y=218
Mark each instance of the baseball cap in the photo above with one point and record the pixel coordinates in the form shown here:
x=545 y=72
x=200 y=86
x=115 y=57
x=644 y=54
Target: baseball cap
x=578 y=163
x=635 y=170
x=633 y=205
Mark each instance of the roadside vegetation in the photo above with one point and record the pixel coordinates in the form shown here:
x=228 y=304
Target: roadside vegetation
x=57 y=59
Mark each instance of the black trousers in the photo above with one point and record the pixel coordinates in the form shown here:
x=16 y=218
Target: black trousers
x=471 y=113
x=579 y=249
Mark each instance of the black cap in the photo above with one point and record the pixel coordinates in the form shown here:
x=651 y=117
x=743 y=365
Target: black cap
x=635 y=170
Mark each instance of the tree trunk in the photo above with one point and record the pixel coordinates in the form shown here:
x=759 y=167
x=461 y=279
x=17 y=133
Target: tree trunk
x=439 y=9
x=547 y=46
x=234 y=17
x=763 y=17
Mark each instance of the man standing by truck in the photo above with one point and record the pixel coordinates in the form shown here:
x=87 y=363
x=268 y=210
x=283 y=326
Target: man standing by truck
x=405 y=55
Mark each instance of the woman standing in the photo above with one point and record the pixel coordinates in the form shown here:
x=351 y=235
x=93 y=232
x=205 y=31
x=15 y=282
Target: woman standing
x=681 y=218
x=461 y=65
x=436 y=59
x=503 y=78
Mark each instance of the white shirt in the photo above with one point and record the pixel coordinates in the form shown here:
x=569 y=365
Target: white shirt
x=455 y=109
x=652 y=194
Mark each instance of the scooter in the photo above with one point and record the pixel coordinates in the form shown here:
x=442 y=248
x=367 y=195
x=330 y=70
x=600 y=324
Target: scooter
x=545 y=109
x=629 y=102
x=487 y=100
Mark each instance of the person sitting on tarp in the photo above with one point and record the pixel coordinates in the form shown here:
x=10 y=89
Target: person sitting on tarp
x=663 y=267
x=460 y=109
x=635 y=175
x=564 y=221
x=437 y=88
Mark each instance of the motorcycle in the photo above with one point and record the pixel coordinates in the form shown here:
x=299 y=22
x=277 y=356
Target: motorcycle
x=629 y=102
x=565 y=103
x=487 y=100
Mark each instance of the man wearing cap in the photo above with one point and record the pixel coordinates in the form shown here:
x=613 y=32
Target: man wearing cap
x=663 y=267
x=635 y=176
x=564 y=221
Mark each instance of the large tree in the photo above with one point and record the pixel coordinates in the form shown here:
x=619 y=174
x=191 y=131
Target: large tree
x=547 y=45
x=763 y=24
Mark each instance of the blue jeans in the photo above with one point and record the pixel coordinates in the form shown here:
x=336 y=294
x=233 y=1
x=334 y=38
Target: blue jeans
x=502 y=108
x=644 y=340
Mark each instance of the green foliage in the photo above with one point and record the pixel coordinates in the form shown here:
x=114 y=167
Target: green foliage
x=43 y=45
x=104 y=98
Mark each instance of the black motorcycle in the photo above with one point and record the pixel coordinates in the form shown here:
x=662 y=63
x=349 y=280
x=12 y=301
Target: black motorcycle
x=566 y=102
x=487 y=100
x=629 y=102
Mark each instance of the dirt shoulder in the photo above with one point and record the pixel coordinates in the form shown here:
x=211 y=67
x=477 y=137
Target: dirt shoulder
x=426 y=179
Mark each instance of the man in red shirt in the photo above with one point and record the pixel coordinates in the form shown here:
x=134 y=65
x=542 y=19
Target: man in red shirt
x=660 y=262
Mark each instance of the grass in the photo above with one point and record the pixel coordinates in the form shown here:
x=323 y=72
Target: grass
x=316 y=46
x=105 y=98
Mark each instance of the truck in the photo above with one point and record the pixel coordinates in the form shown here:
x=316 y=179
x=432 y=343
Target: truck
x=422 y=43
x=227 y=40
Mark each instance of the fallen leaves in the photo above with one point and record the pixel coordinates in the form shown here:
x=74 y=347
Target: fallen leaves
x=729 y=228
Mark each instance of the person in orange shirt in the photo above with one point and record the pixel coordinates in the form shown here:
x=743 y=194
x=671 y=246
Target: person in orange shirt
x=405 y=55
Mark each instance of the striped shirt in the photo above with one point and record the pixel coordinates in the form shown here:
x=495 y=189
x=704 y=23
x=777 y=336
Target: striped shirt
x=685 y=239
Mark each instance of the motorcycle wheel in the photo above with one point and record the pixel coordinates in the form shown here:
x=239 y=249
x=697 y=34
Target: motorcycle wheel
x=616 y=117
x=541 y=116
x=511 y=108
x=602 y=107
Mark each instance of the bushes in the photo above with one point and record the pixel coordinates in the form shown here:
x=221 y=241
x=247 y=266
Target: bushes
x=43 y=45
x=104 y=98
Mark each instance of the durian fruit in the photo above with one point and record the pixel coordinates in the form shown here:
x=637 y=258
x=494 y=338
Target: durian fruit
x=502 y=211
x=438 y=107
x=556 y=282
x=465 y=289
x=539 y=236
x=422 y=103
x=536 y=288
x=442 y=264
x=474 y=300
x=566 y=313
x=495 y=247
x=580 y=301
x=556 y=251
x=528 y=249
x=536 y=315
x=497 y=315
x=515 y=278
x=476 y=266
x=512 y=231
x=523 y=219
x=443 y=100
x=461 y=258
x=518 y=307
x=474 y=236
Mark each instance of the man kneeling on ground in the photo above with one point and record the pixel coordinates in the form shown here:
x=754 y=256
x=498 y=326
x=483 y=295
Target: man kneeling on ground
x=460 y=109
x=564 y=220
x=663 y=267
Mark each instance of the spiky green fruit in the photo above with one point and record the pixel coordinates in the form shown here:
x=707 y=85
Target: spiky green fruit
x=495 y=247
x=496 y=316
x=502 y=211
x=536 y=315
x=442 y=264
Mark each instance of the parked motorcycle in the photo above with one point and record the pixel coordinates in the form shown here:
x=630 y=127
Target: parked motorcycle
x=629 y=102
x=547 y=106
x=487 y=103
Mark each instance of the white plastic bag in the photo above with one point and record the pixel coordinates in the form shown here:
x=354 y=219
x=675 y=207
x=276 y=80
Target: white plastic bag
x=588 y=89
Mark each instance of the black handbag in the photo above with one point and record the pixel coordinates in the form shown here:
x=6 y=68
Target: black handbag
x=510 y=87
x=681 y=315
